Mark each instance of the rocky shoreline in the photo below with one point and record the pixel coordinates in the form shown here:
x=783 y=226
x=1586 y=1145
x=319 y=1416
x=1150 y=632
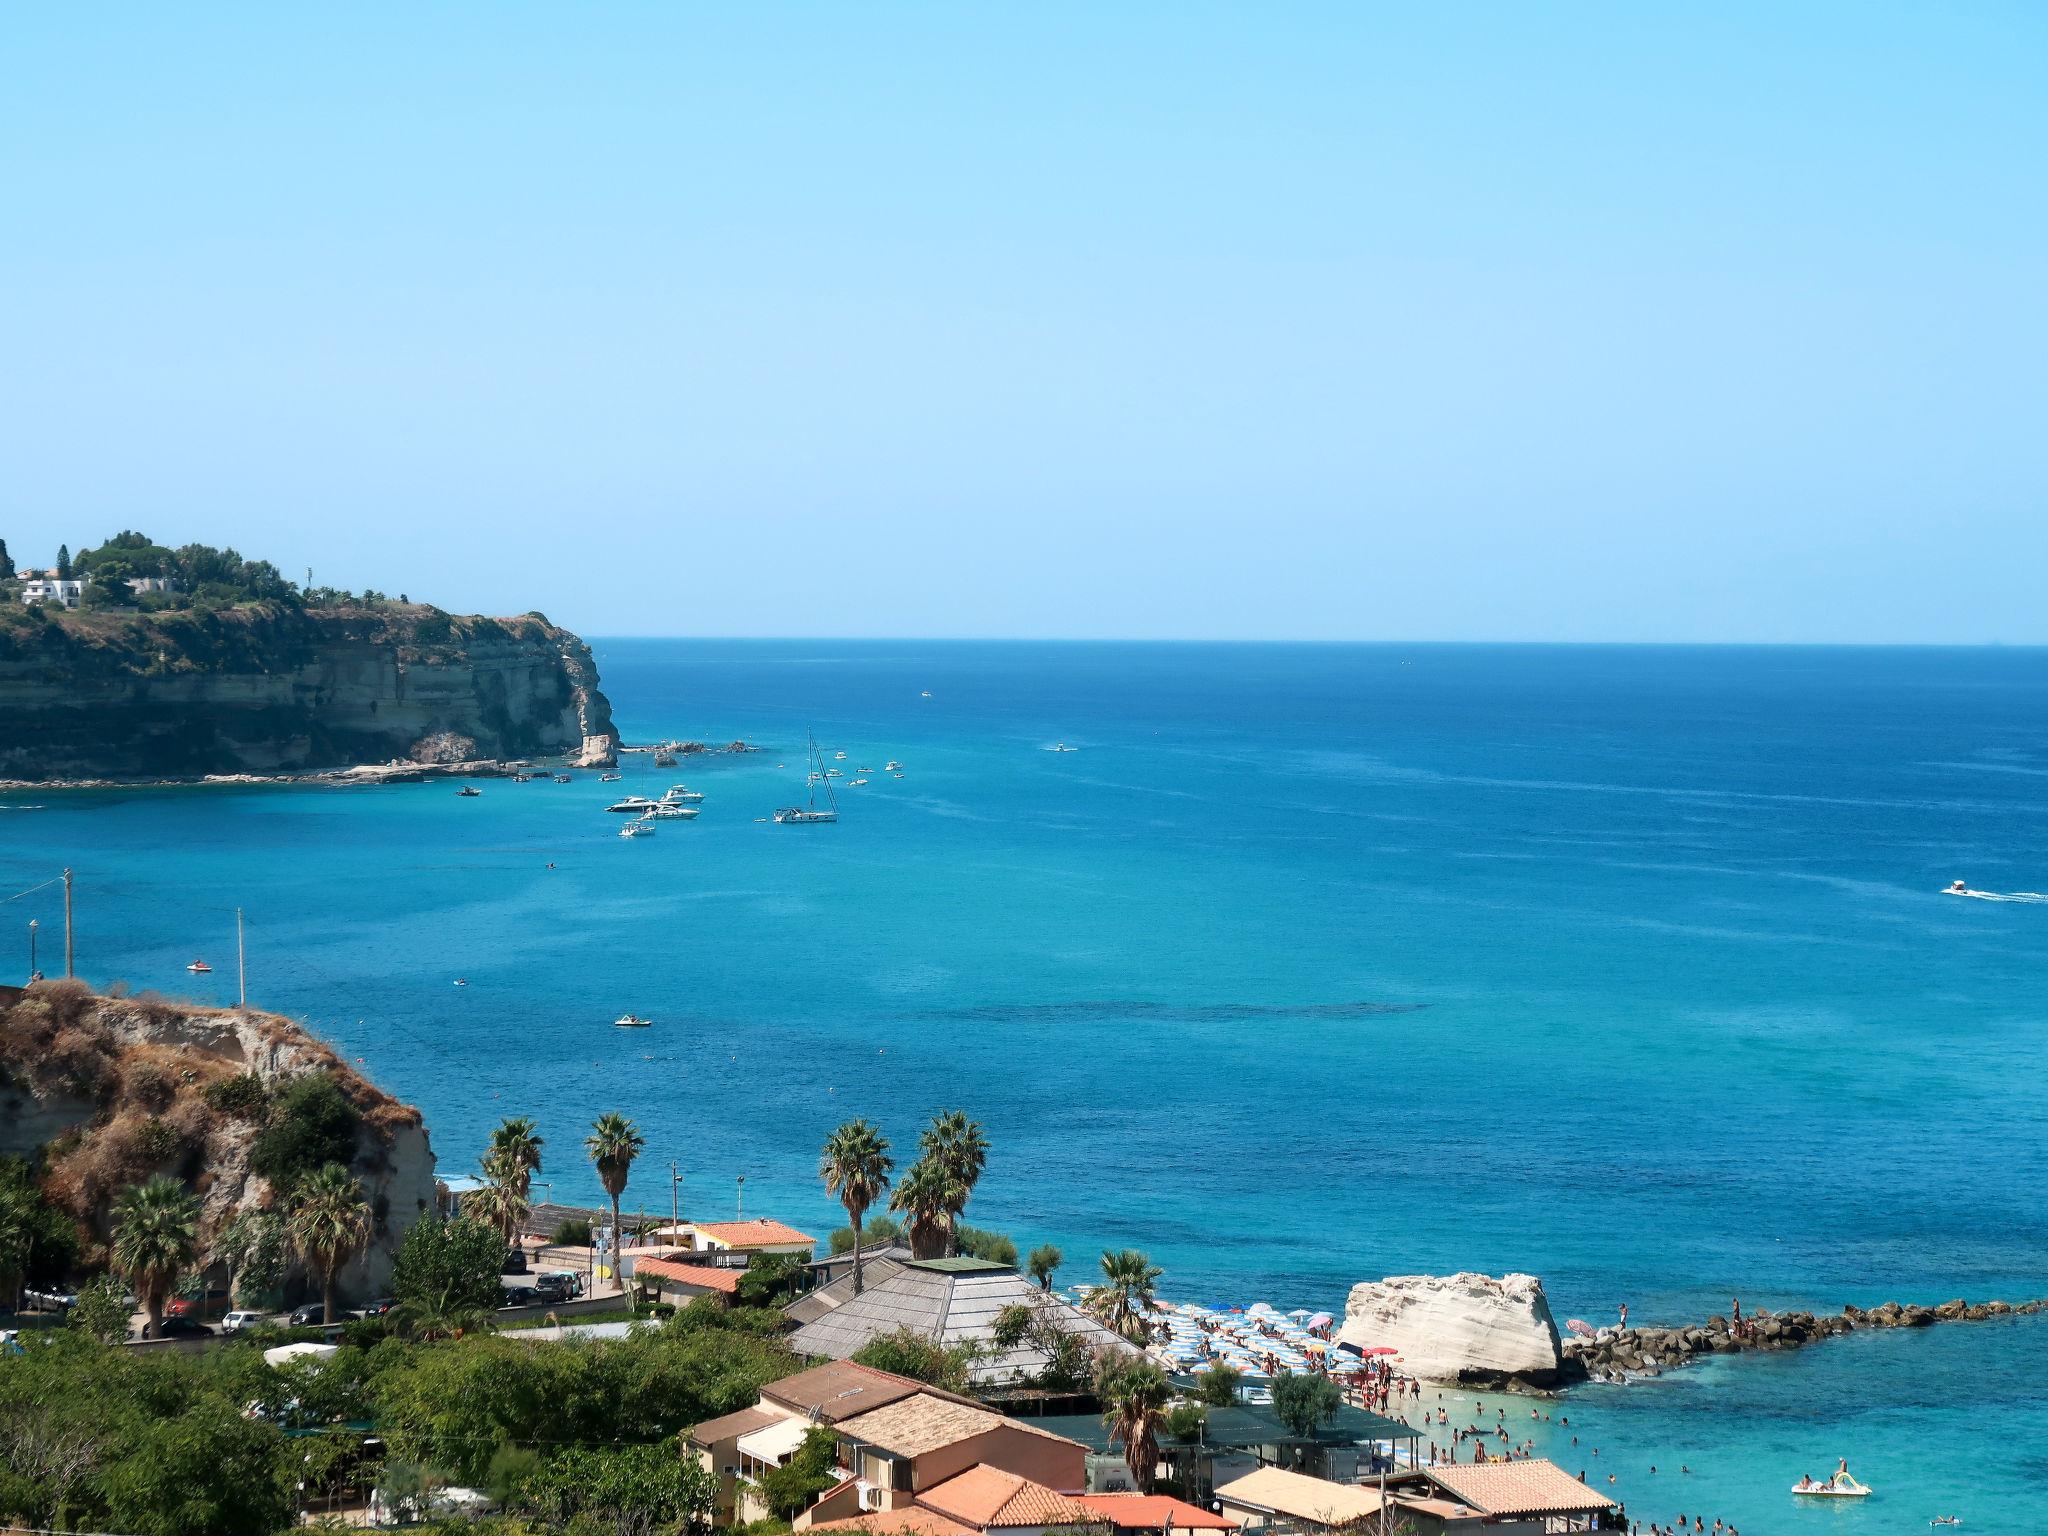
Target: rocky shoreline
x=1631 y=1354
x=361 y=773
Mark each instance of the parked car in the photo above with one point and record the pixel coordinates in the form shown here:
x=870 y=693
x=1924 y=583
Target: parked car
x=208 y=1303
x=515 y=1261
x=239 y=1319
x=179 y=1328
x=311 y=1315
x=379 y=1307
x=556 y=1285
x=51 y=1301
x=515 y=1296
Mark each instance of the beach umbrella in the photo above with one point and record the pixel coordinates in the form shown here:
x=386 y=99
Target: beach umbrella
x=1321 y=1320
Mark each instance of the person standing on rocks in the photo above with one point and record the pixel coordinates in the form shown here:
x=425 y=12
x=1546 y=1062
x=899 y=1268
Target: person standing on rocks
x=1624 y=1314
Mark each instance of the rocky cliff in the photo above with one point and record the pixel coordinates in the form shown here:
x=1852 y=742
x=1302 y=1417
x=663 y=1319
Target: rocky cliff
x=1474 y=1329
x=107 y=1092
x=277 y=688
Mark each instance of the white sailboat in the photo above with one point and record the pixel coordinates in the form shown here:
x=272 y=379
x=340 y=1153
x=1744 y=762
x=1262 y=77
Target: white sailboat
x=809 y=812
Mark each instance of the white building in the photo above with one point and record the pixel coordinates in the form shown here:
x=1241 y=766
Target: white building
x=51 y=589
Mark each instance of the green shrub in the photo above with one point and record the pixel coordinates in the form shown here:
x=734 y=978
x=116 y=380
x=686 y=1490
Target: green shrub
x=310 y=1124
x=242 y=1096
x=574 y=1233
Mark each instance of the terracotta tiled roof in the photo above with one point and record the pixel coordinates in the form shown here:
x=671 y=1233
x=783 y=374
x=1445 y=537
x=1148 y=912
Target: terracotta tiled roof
x=733 y=1425
x=759 y=1232
x=1150 y=1512
x=989 y=1498
x=1518 y=1488
x=911 y=1521
x=839 y=1389
x=703 y=1276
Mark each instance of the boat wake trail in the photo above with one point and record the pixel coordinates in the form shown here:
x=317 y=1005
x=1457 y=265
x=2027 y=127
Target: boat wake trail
x=2034 y=898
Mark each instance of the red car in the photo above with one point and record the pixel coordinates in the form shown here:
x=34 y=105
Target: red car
x=209 y=1304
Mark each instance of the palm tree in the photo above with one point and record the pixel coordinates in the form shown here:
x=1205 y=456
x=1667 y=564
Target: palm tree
x=329 y=1225
x=613 y=1143
x=1134 y=1398
x=1043 y=1262
x=156 y=1239
x=251 y=1241
x=515 y=1146
x=855 y=1167
x=957 y=1144
x=926 y=1195
x=501 y=1203
x=1126 y=1293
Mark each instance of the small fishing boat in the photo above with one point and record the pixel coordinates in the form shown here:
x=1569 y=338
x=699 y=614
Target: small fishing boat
x=631 y=1021
x=522 y=778
x=199 y=968
x=563 y=778
x=632 y=805
x=808 y=813
x=469 y=792
x=636 y=829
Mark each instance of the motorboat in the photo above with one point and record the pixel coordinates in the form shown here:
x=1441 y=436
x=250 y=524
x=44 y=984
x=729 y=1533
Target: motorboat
x=522 y=778
x=610 y=778
x=633 y=805
x=1957 y=888
x=682 y=792
x=838 y=757
x=855 y=783
x=834 y=773
x=469 y=792
x=563 y=778
x=199 y=968
x=892 y=766
x=1061 y=746
x=666 y=812
x=631 y=1021
x=927 y=693
x=637 y=829
x=808 y=813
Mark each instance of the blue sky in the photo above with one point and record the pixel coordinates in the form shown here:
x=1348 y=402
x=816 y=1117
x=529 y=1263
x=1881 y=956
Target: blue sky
x=1518 y=321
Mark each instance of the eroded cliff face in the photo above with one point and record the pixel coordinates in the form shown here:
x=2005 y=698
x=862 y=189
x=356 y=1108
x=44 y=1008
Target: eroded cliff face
x=113 y=1090
x=282 y=691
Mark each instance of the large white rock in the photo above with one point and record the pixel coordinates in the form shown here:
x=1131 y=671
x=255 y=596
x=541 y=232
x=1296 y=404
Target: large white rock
x=1458 y=1327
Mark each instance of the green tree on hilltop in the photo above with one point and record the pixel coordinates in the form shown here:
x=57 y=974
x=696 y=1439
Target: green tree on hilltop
x=6 y=562
x=63 y=562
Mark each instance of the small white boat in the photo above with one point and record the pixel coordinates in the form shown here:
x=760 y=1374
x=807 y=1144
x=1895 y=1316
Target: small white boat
x=633 y=805
x=1957 y=888
x=469 y=792
x=682 y=792
x=895 y=775
x=671 y=813
x=1061 y=746
x=855 y=783
x=892 y=765
x=926 y=694
x=636 y=829
x=610 y=778
x=834 y=773
x=631 y=1021
x=838 y=757
x=199 y=968
x=564 y=778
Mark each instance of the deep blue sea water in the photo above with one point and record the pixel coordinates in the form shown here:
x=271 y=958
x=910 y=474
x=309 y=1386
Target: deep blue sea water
x=1625 y=966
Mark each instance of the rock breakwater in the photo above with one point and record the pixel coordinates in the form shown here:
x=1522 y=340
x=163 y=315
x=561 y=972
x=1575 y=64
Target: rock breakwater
x=1622 y=1354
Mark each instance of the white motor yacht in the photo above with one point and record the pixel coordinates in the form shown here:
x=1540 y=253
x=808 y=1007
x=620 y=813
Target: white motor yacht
x=633 y=805
x=637 y=829
x=682 y=792
x=665 y=812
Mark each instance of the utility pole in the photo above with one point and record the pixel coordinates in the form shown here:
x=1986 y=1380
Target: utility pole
x=68 y=948
x=739 y=1199
x=675 y=1198
x=31 y=949
x=241 y=959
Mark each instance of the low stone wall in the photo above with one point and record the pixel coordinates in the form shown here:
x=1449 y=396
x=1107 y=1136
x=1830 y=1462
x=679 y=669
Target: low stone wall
x=1619 y=1354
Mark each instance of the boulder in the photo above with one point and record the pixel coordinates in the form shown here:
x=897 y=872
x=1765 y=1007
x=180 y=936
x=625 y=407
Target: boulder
x=1466 y=1328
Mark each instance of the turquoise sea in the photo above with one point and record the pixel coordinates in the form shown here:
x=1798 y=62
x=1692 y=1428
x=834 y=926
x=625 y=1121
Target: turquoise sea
x=1625 y=966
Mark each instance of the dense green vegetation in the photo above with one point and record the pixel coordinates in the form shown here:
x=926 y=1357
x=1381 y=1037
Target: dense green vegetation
x=307 y=1126
x=574 y=1435
x=38 y=1240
